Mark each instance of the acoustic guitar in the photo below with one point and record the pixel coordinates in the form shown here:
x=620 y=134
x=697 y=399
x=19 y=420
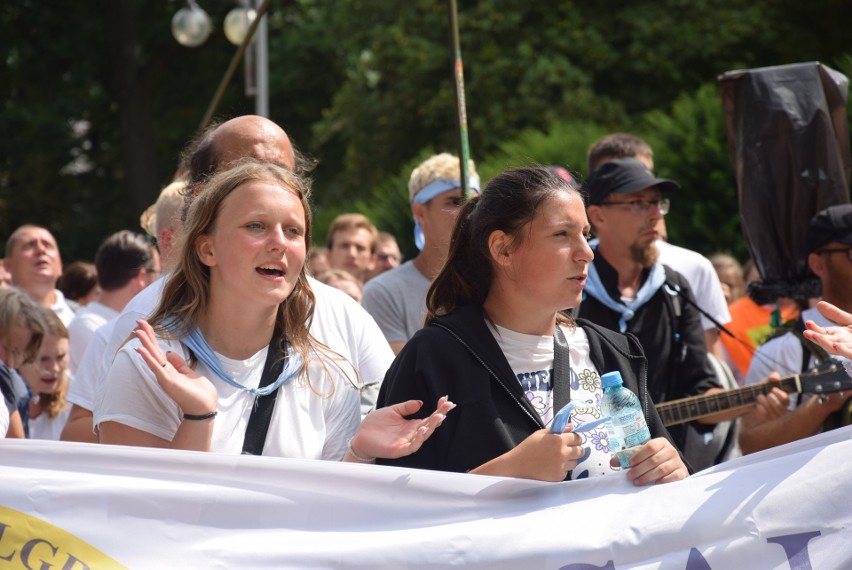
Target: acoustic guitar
x=831 y=378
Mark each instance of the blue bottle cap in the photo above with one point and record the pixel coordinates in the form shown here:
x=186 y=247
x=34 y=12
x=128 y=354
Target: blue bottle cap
x=611 y=379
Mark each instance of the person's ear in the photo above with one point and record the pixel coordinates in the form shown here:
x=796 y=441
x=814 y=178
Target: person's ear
x=142 y=278
x=595 y=215
x=417 y=212
x=499 y=246
x=204 y=251
x=817 y=264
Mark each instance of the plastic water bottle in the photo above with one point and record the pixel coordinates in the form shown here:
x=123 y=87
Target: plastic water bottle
x=628 y=428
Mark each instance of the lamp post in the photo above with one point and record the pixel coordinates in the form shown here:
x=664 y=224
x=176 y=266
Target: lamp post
x=191 y=28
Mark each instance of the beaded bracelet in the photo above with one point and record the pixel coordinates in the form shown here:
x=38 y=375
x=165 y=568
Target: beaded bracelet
x=355 y=455
x=206 y=416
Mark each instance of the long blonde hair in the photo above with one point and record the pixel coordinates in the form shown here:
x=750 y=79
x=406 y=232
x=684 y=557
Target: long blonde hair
x=187 y=292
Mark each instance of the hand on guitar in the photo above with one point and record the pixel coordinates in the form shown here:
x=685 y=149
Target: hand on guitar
x=771 y=405
x=771 y=423
x=837 y=339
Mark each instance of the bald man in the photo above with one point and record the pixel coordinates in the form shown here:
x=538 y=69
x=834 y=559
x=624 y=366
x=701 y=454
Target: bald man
x=240 y=137
x=32 y=259
x=338 y=322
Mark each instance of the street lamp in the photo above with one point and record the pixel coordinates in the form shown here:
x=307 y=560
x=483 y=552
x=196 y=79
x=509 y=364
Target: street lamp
x=191 y=27
x=237 y=24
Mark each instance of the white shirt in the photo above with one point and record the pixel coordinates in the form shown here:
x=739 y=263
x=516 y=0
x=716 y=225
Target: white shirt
x=339 y=322
x=309 y=421
x=783 y=355
x=702 y=279
x=85 y=389
x=82 y=328
x=45 y=427
x=61 y=307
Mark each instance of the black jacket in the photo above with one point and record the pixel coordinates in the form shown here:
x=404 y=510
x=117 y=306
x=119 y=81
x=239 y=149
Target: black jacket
x=457 y=356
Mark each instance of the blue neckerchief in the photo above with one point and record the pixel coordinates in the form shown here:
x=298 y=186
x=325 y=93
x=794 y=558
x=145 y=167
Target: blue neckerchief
x=196 y=343
x=596 y=289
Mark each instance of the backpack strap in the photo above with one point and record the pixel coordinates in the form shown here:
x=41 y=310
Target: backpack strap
x=809 y=348
x=796 y=327
x=261 y=412
x=674 y=302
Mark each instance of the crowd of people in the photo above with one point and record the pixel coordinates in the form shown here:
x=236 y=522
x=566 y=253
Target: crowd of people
x=227 y=327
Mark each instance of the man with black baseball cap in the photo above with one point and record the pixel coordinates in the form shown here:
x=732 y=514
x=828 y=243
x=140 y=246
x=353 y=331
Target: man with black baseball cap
x=623 y=176
x=628 y=290
x=777 y=418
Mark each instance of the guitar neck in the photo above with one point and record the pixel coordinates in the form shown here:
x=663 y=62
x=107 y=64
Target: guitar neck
x=687 y=409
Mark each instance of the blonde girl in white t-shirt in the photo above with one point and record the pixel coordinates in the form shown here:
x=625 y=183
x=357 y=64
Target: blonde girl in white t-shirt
x=190 y=378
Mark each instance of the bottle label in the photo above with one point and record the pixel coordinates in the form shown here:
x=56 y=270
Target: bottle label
x=633 y=429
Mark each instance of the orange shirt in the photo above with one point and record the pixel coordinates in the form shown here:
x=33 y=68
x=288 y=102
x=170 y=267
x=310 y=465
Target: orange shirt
x=750 y=323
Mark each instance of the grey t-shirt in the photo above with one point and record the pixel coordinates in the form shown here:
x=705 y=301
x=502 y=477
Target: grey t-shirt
x=397 y=301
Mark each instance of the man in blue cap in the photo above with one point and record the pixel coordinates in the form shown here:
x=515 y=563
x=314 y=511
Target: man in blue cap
x=397 y=299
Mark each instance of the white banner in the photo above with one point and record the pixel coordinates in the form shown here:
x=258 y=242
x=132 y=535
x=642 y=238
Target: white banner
x=76 y=506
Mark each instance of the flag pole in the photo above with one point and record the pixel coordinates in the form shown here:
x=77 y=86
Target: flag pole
x=461 y=108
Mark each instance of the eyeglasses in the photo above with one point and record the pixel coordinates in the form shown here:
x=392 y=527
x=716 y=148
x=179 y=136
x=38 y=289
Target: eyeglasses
x=639 y=207
x=846 y=250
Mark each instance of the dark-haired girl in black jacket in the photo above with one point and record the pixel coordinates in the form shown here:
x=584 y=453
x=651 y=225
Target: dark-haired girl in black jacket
x=496 y=332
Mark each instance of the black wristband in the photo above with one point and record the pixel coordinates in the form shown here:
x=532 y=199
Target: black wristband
x=206 y=416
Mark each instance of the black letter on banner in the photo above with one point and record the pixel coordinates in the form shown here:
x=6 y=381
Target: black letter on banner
x=3 y=527
x=696 y=561
x=796 y=548
x=72 y=561
x=27 y=549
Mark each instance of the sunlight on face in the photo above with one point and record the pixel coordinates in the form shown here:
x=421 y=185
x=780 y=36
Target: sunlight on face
x=548 y=268
x=257 y=247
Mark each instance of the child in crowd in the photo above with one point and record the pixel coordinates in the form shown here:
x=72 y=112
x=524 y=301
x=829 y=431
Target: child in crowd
x=48 y=380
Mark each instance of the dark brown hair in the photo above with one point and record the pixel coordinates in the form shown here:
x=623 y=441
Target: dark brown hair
x=509 y=202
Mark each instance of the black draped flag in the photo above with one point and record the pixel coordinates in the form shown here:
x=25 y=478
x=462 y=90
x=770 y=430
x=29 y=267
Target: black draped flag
x=789 y=139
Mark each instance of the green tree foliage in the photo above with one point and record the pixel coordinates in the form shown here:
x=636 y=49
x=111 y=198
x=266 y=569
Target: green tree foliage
x=525 y=67
x=690 y=146
x=564 y=144
x=98 y=99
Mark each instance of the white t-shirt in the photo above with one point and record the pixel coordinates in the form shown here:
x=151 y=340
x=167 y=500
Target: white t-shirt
x=45 y=427
x=61 y=307
x=343 y=325
x=702 y=279
x=82 y=328
x=783 y=355
x=531 y=359
x=308 y=421
x=339 y=322
x=84 y=390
